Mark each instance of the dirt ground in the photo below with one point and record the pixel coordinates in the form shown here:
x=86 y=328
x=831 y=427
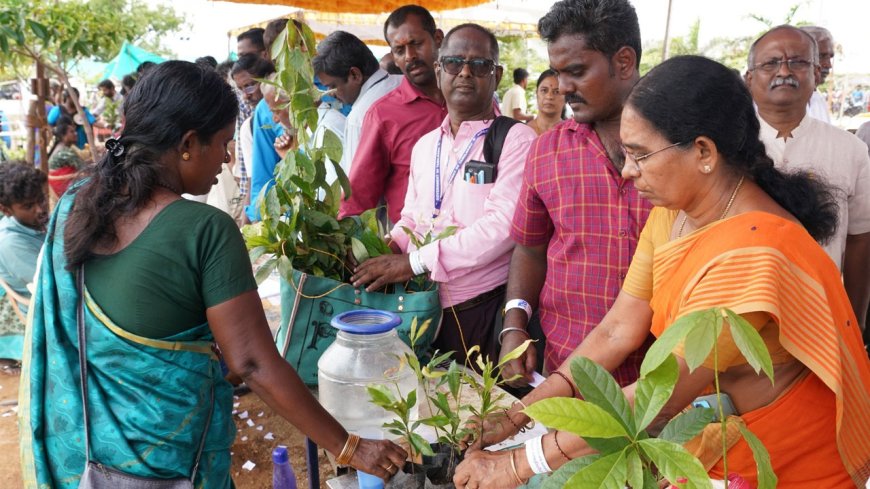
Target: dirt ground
x=250 y=444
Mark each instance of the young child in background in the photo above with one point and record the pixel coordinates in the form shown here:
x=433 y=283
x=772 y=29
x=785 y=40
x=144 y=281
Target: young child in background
x=22 y=231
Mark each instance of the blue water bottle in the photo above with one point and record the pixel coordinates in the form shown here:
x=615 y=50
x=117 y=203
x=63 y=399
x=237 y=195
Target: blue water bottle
x=283 y=476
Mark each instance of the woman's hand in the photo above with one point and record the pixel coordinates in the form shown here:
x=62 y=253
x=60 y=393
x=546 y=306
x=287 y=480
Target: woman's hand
x=496 y=428
x=381 y=458
x=482 y=470
x=382 y=270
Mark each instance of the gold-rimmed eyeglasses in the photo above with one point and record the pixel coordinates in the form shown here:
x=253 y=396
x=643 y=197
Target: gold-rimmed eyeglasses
x=637 y=159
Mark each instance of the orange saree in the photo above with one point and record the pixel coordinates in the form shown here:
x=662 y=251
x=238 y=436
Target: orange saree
x=818 y=431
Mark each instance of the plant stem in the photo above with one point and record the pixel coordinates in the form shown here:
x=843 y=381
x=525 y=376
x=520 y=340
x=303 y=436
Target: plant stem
x=719 y=398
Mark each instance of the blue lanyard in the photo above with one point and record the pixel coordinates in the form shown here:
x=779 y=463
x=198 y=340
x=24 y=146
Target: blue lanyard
x=439 y=198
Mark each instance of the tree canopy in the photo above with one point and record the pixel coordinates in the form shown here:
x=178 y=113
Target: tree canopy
x=59 y=33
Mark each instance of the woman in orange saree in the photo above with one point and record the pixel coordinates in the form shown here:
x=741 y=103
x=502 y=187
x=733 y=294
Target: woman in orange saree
x=729 y=231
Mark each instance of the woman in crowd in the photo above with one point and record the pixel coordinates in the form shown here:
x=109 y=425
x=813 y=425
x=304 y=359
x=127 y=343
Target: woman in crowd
x=166 y=286
x=729 y=231
x=551 y=103
x=67 y=107
x=64 y=159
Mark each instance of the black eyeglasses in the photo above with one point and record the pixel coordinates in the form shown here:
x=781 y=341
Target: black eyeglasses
x=794 y=65
x=479 y=67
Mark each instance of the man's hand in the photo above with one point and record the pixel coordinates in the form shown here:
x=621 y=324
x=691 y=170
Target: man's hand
x=283 y=144
x=524 y=365
x=382 y=270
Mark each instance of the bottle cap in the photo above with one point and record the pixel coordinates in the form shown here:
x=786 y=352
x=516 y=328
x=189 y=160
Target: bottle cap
x=279 y=455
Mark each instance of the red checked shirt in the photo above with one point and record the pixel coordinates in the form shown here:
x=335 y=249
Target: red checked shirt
x=574 y=199
x=391 y=128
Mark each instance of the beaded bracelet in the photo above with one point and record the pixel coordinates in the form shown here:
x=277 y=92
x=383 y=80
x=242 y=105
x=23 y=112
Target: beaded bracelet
x=566 y=379
x=349 y=448
x=528 y=426
x=556 y=440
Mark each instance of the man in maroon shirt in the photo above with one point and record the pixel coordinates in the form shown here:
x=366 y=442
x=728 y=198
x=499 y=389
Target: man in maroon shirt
x=577 y=221
x=393 y=124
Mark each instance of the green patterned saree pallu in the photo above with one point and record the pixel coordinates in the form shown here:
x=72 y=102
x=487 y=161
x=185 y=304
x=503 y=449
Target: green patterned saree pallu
x=309 y=303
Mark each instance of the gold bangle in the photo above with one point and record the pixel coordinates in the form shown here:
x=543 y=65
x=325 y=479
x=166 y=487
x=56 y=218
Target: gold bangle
x=520 y=481
x=349 y=448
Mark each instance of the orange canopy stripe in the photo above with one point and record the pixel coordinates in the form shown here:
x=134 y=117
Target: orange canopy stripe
x=365 y=6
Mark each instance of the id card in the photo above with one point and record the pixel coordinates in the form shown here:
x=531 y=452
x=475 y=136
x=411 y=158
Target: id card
x=480 y=172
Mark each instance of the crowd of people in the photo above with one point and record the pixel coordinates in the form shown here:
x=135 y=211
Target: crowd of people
x=688 y=188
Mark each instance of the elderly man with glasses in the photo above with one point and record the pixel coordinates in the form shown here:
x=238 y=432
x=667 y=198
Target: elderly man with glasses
x=782 y=70
x=451 y=186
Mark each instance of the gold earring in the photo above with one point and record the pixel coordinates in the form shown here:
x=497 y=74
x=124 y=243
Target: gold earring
x=708 y=168
x=185 y=156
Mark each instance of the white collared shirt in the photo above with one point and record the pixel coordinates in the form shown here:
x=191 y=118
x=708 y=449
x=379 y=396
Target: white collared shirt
x=378 y=85
x=840 y=158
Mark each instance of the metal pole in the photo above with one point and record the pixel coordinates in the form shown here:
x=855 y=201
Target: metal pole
x=666 y=42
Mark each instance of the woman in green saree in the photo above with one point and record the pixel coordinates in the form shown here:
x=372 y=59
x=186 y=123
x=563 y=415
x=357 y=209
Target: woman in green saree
x=168 y=281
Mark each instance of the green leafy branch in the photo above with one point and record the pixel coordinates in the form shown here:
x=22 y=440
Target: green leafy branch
x=607 y=421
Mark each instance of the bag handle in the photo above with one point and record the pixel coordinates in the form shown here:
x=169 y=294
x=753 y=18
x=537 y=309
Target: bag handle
x=83 y=371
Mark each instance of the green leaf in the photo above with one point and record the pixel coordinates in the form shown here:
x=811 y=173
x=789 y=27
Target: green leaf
x=342 y=178
x=653 y=391
x=264 y=270
x=608 y=472
x=579 y=417
x=750 y=344
x=257 y=252
x=665 y=344
x=280 y=43
x=766 y=477
x=607 y=445
x=559 y=478
x=685 y=426
x=634 y=466
x=598 y=386
x=420 y=444
x=332 y=145
x=699 y=341
x=515 y=353
x=380 y=396
x=360 y=254
x=39 y=30
x=285 y=266
x=447 y=232
x=674 y=462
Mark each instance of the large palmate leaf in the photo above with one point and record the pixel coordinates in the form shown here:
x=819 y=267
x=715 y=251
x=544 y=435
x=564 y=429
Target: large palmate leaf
x=608 y=472
x=750 y=344
x=699 y=341
x=676 y=464
x=559 y=478
x=766 y=477
x=653 y=391
x=598 y=386
x=685 y=426
x=665 y=344
x=579 y=417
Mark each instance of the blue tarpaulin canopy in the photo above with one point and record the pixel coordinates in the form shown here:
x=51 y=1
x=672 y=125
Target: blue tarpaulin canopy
x=127 y=60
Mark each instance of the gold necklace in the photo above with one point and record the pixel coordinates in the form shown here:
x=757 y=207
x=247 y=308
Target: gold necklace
x=724 y=213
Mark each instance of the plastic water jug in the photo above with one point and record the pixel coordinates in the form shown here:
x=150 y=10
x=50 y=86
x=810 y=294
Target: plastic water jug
x=366 y=352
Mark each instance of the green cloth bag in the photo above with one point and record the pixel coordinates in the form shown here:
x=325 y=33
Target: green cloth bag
x=308 y=304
